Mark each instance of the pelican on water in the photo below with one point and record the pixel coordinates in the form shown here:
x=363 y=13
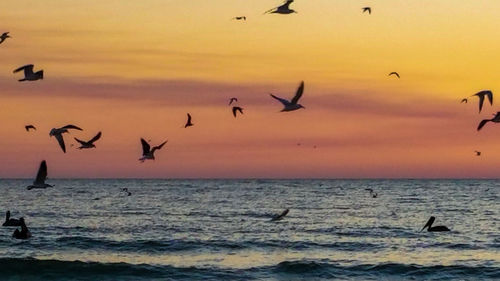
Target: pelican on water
x=436 y=228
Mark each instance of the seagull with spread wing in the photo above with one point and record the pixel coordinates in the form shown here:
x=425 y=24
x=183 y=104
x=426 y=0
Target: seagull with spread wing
x=367 y=9
x=237 y=109
x=293 y=104
x=29 y=75
x=188 y=123
x=147 y=152
x=232 y=99
x=90 y=143
x=4 y=36
x=41 y=176
x=28 y=127
x=395 y=73
x=283 y=9
x=481 y=95
x=58 y=133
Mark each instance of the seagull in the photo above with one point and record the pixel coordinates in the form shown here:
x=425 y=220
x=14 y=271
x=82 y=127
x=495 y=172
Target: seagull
x=478 y=153
x=126 y=190
x=231 y=100
x=235 y=109
x=283 y=9
x=41 y=176
x=374 y=195
x=495 y=119
x=481 y=95
x=4 y=36
x=28 y=127
x=90 y=143
x=464 y=100
x=29 y=75
x=240 y=18
x=148 y=153
x=292 y=105
x=188 y=123
x=367 y=9
x=394 y=73
x=57 y=132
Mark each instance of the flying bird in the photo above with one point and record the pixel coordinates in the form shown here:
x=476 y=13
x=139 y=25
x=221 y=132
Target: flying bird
x=394 y=73
x=4 y=36
x=481 y=95
x=41 y=176
x=147 y=152
x=292 y=105
x=478 y=153
x=236 y=109
x=464 y=100
x=437 y=228
x=240 y=18
x=188 y=123
x=283 y=9
x=367 y=9
x=58 y=133
x=28 y=127
x=495 y=119
x=29 y=75
x=231 y=100
x=90 y=143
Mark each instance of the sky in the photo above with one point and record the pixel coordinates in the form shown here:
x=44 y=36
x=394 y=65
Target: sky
x=133 y=69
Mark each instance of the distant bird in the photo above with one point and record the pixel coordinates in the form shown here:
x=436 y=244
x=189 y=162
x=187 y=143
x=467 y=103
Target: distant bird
x=464 y=100
x=188 y=123
x=29 y=75
x=90 y=143
x=41 y=176
x=283 y=9
x=292 y=105
x=57 y=132
x=28 y=127
x=495 y=119
x=232 y=99
x=4 y=36
x=367 y=9
x=24 y=233
x=374 y=195
x=394 y=73
x=236 y=109
x=126 y=190
x=478 y=153
x=437 y=228
x=240 y=18
x=148 y=153
x=481 y=95
x=369 y=189
x=11 y=222
x=280 y=216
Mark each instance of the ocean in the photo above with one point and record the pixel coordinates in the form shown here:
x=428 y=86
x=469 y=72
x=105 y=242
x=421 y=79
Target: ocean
x=221 y=230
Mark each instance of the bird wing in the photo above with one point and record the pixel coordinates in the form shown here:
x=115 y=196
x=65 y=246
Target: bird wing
x=189 y=118
x=298 y=94
x=490 y=96
x=232 y=99
x=98 y=136
x=27 y=69
x=72 y=127
x=286 y=4
x=80 y=141
x=42 y=173
x=270 y=10
x=145 y=147
x=159 y=146
x=235 y=109
x=60 y=140
x=283 y=101
x=482 y=123
x=481 y=101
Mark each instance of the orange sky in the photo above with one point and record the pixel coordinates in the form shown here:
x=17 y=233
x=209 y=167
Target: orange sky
x=134 y=69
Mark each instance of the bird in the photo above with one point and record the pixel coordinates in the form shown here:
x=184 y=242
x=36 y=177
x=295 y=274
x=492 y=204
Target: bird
x=240 y=18
x=292 y=105
x=280 y=216
x=90 y=143
x=495 y=119
x=481 y=95
x=236 y=109
x=374 y=195
x=464 y=100
x=437 y=228
x=188 y=123
x=28 y=127
x=478 y=153
x=29 y=75
x=148 y=153
x=394 y=73
x=11 y=222
x=367 y=9
x=369 y=189
x=24 y=233
x=41 y=176
x=4 y=36
x=57 y=132
x=231 y=100
x=126 y=190
x=283 y=9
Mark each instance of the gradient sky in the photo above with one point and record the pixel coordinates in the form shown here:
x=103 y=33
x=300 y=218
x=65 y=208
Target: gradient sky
x=134 y=69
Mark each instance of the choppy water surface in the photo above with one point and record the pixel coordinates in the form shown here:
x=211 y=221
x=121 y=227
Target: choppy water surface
x=220 y=230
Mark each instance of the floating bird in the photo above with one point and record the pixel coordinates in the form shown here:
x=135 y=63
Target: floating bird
x=435 y=228
x=57 y=132
x=90 y=143
x=11 y=222
x=148 y=153
x=374 y=195
x=280 y=216
x=28 y=127
x=464 y=100
x=367 y=9
x=283 y=9
x=188 y=123
x=24 y=233
x=292 y=105
x=481 y=95
x=232 y=99
x=394 y=73
x=235 y=109
x=4 y=36
x=478 y=153
x=126 y=190
x=495 y=119
x=29 y=75
x=240 y=18
x=41 y=176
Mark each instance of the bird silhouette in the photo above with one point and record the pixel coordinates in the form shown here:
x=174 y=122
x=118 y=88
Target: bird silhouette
x=236 y=109
x=28 y=127
x=283 y=9
x=147 y=152
x=478 y=153
x=58 y=134
x=394 y=73
x=41 y=176
x=240 y=18
x=481 y=95
x=293 y=104
x=231 y=100
x=495 y=119
x=188 y=123
x=29 y=75
x=367 y=9
x=90 y=143
x=4 y=36
x=464 y=100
